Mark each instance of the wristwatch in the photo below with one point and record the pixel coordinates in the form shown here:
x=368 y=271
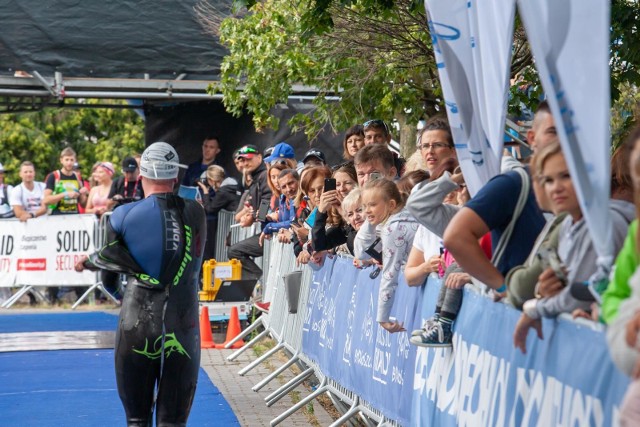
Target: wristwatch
x=32 y=214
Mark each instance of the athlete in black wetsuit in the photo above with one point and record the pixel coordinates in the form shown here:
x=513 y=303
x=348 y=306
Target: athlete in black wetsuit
x=158 y=242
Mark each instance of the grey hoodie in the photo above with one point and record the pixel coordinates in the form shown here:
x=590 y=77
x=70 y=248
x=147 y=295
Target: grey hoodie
x=426 y=204
x=576 y=250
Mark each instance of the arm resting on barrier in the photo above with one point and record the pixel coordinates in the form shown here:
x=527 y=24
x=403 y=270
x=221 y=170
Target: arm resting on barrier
x=365 y=238
x=461 y=239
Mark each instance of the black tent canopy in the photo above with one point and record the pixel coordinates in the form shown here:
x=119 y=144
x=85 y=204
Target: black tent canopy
x=61 y=52
x=108 y=39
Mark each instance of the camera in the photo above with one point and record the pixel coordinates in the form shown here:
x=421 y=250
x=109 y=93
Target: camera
x=550 y=259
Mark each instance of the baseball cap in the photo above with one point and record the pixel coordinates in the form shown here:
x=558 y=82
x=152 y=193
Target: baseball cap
x=160 y=161
x=267 y=151
x=247 y=152
x=129 y=164
x=315 y=153
x=281 y=151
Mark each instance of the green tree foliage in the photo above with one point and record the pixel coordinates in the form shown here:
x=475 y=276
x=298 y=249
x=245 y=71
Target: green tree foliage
x=375 y=54
x=95 y=134
x=378 y=66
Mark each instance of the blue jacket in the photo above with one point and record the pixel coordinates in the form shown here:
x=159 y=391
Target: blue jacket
x=285 y=216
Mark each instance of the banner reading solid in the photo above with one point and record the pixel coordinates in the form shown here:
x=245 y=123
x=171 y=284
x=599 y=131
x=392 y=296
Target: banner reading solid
x=44 y=251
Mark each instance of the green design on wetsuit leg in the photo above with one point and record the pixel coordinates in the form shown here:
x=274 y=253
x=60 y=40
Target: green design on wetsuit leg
x=187 y=255
x=171 y=344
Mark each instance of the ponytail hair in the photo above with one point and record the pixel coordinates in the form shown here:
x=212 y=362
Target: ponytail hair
x=388 y=188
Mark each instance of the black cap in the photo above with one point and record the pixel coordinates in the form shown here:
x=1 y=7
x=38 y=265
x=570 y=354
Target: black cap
x=314 y=153
x=247 y=151
x=129 y=164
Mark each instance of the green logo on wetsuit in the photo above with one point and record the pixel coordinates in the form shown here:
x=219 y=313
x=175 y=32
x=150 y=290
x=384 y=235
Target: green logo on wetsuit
x=171 y=345
x=187 y=255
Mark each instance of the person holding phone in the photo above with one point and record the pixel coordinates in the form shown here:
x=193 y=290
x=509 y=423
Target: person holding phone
x=575 y=247
x=330 y=230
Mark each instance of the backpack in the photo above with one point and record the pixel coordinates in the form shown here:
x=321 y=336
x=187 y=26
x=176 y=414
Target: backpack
x=56 y=176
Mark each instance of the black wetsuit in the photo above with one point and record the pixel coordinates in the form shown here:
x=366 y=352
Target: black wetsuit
x=158 y=242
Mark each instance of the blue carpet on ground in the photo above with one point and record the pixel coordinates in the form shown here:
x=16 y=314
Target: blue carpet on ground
x=47 y=322
x=78 y=388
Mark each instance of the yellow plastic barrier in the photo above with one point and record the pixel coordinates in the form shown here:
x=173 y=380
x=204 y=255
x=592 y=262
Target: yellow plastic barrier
x=213 y=273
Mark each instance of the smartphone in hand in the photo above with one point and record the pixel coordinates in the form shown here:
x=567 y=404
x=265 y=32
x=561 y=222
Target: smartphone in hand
x=329 y=184
x=375 y=250
x=262 y=211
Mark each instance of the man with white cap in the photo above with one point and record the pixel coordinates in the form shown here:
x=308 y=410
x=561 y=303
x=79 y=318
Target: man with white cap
x=158 y=242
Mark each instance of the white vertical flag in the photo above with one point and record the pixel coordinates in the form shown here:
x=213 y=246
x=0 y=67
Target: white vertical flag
x=570 y=44
x=472 y=46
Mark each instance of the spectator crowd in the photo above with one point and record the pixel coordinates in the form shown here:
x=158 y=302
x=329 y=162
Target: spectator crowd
x=523 y=235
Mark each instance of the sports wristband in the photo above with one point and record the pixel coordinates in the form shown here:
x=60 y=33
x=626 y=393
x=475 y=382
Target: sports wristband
x=502 y=288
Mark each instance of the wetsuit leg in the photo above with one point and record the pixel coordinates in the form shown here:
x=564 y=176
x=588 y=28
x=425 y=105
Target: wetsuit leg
x=138 y=351
x=182 y=358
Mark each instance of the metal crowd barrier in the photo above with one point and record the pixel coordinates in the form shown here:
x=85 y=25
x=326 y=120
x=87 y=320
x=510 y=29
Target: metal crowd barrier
x=286 y=329
x=225 y=220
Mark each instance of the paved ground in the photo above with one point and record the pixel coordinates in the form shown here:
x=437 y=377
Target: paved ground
x=248 y=405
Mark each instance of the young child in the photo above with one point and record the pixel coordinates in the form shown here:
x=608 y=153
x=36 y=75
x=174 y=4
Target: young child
x=385 y=215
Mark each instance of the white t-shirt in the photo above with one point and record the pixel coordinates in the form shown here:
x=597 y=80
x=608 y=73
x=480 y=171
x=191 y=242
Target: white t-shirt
x=427 y=242
x=29 y=200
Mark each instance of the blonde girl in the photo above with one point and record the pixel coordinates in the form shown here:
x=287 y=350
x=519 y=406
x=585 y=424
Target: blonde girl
x=386 y=217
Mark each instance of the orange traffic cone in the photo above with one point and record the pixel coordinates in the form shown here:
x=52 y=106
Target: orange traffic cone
x=206 y=339
x=233 y=330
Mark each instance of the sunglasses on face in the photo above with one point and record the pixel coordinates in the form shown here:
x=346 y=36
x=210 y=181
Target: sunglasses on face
x=278 y=162
x=376 y=123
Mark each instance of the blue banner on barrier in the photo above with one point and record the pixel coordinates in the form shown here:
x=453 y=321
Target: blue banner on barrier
x=567 y=378
x=342 y=336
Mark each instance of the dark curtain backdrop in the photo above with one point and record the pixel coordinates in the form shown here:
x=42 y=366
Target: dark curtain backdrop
x=185 y=125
